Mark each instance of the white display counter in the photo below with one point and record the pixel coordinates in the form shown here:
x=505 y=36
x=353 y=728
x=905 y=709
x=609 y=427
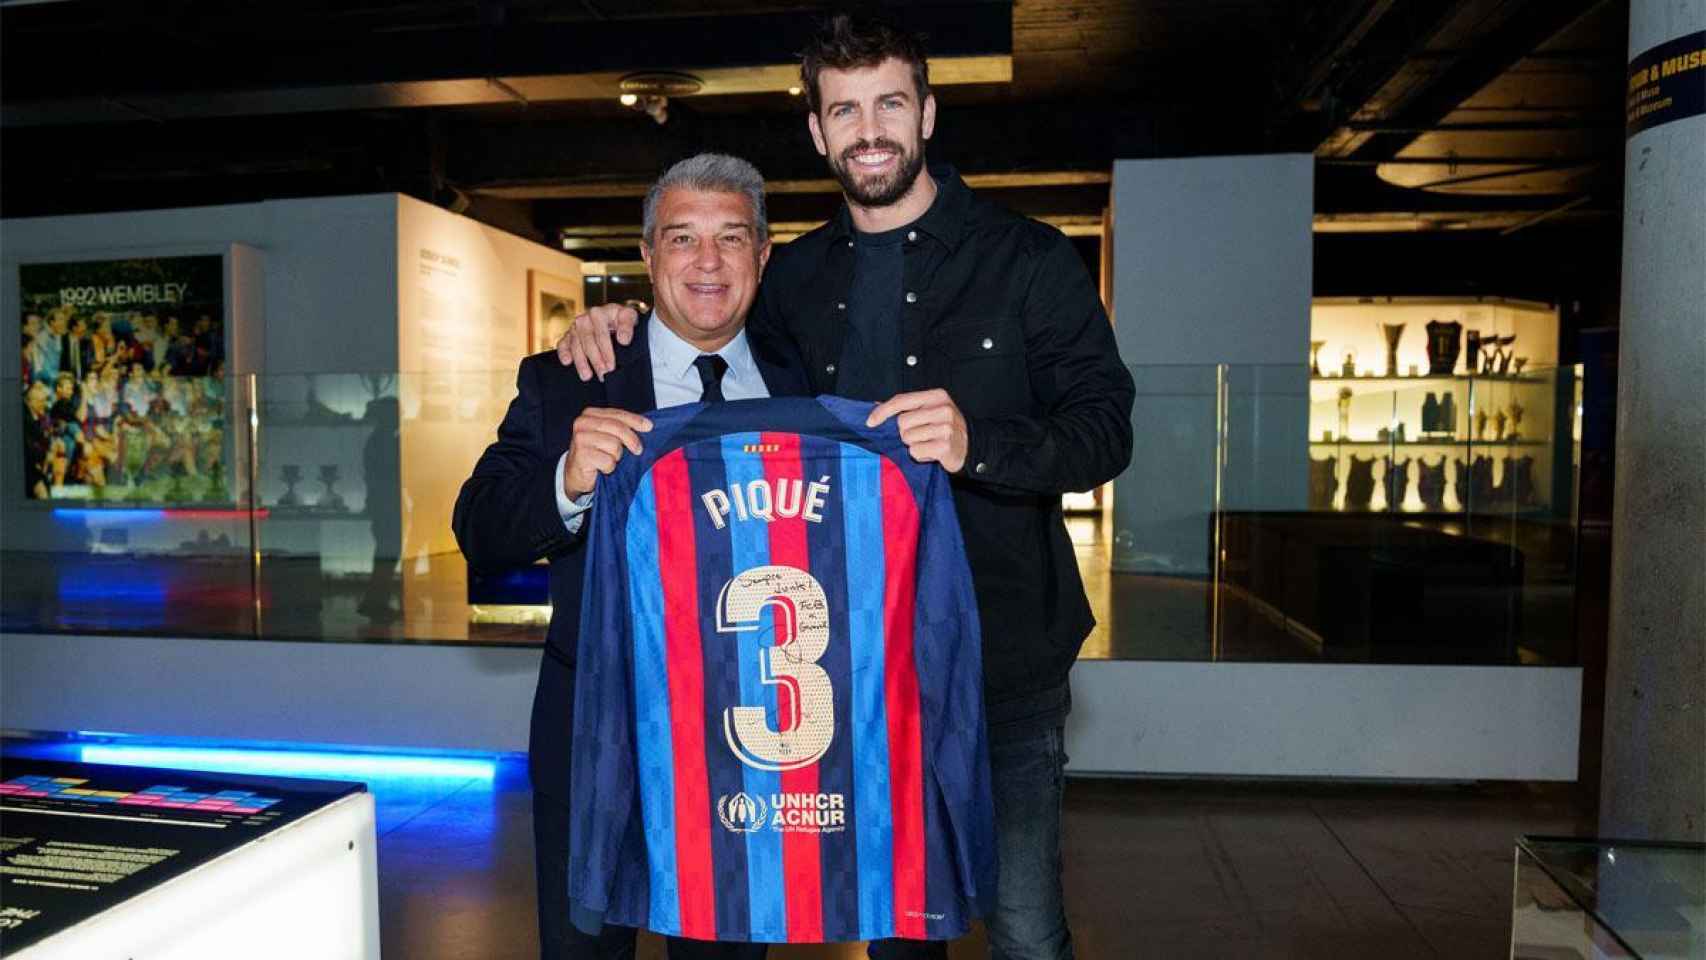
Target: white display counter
x=100 y=861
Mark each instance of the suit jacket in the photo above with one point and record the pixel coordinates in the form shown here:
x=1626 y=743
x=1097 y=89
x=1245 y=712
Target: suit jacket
x=506 y=514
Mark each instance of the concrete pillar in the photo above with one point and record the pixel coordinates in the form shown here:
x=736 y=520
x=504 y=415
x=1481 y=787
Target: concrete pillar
x=1654 y=780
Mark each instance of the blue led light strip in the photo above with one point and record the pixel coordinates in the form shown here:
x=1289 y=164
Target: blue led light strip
x=312 y=763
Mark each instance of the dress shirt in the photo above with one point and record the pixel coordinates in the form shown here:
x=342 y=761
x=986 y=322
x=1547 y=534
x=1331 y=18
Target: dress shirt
x=675 y=380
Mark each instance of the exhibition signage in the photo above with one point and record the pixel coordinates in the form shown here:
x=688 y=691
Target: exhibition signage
x=80 y=839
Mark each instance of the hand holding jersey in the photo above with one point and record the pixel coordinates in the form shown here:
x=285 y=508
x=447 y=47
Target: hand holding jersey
x=930 y=424
x=601 y=435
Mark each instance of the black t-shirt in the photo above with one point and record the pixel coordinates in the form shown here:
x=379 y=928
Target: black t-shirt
x=870 y=360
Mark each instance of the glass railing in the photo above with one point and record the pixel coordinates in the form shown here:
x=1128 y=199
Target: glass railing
x=1271 y=515
x=1266 y=515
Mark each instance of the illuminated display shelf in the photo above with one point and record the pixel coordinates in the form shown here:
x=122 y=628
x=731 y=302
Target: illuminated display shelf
x=1442 y=444
x=1503 y=473
x=1385 y=384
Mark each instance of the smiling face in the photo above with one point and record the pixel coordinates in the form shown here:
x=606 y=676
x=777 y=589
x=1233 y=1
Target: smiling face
x=705 y=259
x=872 y=127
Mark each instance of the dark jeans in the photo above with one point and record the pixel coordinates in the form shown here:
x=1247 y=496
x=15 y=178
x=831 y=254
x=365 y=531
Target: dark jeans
x=1029 y=922
x=559 y=939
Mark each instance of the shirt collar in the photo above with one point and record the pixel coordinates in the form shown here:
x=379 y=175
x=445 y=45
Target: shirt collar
x=673 y=357
x=945 y=220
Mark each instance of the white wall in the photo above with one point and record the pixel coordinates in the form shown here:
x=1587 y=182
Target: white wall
x=328 y=299
x=461 y=330
x=1128 y=718
x=1378 y=721
x=331 y=302
x=1213 y=261
x=310 y=289
x=396 y=695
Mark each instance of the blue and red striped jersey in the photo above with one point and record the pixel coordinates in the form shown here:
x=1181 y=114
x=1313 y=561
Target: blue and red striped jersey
x=778 y=722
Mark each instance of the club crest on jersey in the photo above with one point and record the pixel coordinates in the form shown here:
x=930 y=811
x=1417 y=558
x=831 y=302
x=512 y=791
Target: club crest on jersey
x=741 y=812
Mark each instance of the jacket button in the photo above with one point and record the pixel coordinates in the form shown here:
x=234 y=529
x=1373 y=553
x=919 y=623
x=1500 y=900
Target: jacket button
x=829 y=369
x=988 y=344
x=980 y=468
x=849 y=243
x=911 y=361
x=840 y=304
x=911 y=297
x=912 y=236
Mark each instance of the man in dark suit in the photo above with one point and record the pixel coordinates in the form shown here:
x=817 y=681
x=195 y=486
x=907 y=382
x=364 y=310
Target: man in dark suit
x=706 y=242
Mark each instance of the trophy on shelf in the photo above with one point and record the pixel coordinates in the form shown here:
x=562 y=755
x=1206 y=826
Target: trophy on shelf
x=1472 y=350
x=1431 y=411
x=333 y=500
x=1447 y=414
x=1344 y=413
x=1393 y=332
x=1505 y=354
x=1323 y=483
x=1430 y=484
x=1315 y=357
x=292 y=474
x=1396 y=483
x=1518 y=364
x=1516 y=421
x=1480 y=424
x=1359 y=483
x=1349 y=367
x=1443 y=347
x=1499 y=420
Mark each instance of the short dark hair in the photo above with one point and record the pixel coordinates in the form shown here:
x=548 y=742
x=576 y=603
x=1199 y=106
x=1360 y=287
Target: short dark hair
x=847 y=41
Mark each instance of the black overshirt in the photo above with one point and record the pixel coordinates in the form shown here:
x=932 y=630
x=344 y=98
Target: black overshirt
x=1000 y=311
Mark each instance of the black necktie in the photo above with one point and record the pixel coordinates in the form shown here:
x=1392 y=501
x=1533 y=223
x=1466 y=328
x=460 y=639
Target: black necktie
x=711 y=370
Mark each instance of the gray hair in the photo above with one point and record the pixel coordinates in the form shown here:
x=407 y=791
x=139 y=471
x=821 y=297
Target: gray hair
x=715 y=172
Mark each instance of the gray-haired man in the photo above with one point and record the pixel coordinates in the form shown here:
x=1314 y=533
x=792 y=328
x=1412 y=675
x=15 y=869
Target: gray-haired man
x=706 y=241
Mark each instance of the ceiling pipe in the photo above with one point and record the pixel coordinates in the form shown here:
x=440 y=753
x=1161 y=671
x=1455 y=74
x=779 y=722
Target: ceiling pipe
x=1546 y=215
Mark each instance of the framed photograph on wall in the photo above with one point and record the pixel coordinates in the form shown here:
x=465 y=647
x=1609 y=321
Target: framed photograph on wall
x=552 y=304
x=124 y=381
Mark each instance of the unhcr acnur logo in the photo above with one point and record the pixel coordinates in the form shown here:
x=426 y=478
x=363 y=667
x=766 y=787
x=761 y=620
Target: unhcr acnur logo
x=741 y=812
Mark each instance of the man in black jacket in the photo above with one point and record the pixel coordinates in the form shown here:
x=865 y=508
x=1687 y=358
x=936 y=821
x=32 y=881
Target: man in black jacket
x=706 y=240
x=981 y=331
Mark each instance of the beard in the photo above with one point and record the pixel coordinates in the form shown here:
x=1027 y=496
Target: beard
x=879 y=190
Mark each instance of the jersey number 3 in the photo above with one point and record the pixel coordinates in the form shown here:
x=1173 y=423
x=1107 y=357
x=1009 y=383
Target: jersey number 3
x=801 y=615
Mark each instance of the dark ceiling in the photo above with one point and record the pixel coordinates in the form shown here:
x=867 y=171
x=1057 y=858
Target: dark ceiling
x=1425 y=115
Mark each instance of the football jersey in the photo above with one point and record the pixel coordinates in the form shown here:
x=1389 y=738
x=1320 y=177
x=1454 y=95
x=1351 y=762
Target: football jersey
x=778 y=720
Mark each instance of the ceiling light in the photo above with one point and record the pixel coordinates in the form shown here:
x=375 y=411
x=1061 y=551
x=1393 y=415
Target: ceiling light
x=629 y=99
x=661 y=84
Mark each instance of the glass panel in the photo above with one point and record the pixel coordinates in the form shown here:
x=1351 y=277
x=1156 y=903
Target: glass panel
x=1149 y=581
x=1608 y=898
x=126 y=504
x=1272 y=477
x=1238 y=532
x=358 y=480
x=1422 y=533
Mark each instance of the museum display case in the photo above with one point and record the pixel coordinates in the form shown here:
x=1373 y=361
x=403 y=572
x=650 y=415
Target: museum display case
x=1587 y=899
x=1438 y=407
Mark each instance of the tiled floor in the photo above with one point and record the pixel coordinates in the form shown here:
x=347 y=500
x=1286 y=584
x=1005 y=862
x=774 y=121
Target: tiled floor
x=1165 y=869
